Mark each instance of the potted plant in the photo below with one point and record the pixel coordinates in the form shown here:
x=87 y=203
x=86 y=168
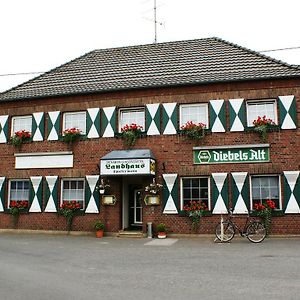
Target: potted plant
x=130 y=133
x=15 y=207
x=193 y=131
x=264 y=211
x=20 y=137
x=262 y=125
x=68 y=210
x=99 y=227
x=71 y=135
x=195 y=210
x=161 y=231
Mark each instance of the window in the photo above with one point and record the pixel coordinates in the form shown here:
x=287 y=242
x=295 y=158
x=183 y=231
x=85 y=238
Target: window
x=197 y=113
x=21 y=123
x=262 y=108
x=75 y=119
x=194 y=189
x=129 y=116
x=73 y=190
x=264 y=188
x=18 y=190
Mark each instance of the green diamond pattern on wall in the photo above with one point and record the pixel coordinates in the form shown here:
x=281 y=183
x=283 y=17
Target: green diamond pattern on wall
x=292 y=191
x=93 y=123
x=53 y=125
x=109 y=121
x=287 y=112
x=38 y=127
x=217 y=115
x=3 y=129
x=92 y=196
x=2 y=193
x=36 y=202
x=236 y=114
x=219 y=193
x=240 y=192
x=170 y=193
x=51 y=194
x=153 y=119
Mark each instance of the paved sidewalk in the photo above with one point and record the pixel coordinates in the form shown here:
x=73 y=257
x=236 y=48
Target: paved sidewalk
x=34 y=267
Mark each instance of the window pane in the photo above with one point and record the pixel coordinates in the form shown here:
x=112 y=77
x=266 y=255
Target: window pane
x=136 y=116
x=255 y=109
x=264 y=188
x=194 y=189
x=194 y=113
x=21 y=123
x=76 y=119
x=73 y=190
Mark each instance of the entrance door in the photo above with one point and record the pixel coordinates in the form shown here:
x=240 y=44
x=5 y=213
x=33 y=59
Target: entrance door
x=136 y=209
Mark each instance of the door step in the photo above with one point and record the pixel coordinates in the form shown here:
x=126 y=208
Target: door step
x=130 y=234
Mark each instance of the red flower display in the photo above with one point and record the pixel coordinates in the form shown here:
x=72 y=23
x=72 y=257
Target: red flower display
x=194 y=211
x=263 y=121
x=71 y=134
x=264 y=211
x=193 y=131
x=18 y=204
x=130 y=133
x=68 y=209
x=20 y=137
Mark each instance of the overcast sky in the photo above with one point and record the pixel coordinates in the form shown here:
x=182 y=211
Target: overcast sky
x=39 y=35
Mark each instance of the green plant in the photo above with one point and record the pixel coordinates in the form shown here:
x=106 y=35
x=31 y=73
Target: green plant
x=71 y=135
x=130 y=133
x=15 y=207
x=20 y=137
x=194 y=211
x=193 y=131
x=262 y=125
x=153 y=188
x=161 y=227
x=98 y=225
x=264 y=211
x=68 y=210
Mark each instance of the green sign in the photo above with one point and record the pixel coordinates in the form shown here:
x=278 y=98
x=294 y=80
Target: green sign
x=231 y=155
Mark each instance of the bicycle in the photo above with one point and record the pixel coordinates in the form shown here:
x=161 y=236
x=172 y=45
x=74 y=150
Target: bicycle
x=254 y=230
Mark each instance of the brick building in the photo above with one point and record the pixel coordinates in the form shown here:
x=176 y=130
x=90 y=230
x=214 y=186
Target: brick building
x=160 y=87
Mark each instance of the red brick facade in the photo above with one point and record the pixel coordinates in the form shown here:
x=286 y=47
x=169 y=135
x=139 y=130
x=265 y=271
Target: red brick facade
x=173 y=153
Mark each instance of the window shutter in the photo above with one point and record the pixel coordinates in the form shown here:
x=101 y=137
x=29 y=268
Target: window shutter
x=92 y=197
x=217 y=115
x=2 y=194
x=240 y=192
x=153 y=119
x=109 y=121
x=35 y=195
x=237 y=112
x=93 y=123
x=169 y=118
x=51 y=194
x=291 y=203
x=170 y=193
x=287 y=112
x=53 y=125
x=38 y=127
x=219 y=183
x=3 y=129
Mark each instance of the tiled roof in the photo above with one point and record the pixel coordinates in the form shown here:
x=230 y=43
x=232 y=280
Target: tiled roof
x=156 y=65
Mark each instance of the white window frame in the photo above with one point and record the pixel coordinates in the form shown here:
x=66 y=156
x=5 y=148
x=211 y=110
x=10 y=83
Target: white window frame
x=13 y=129
x=62 y=190
x=9 y=190
x=261 y=102
x=136 y=109
x=201 y=105
x=195 y=177
x=279 y=188
x=82 y=127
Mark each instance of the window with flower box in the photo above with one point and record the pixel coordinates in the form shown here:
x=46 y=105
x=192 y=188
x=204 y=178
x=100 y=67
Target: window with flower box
x=21 y=123
x=73 y=190
x=265 y=188
x=132 y=116
x=75 y=120
x=18 y=191
x=194 y=189
x=266 y=108
x=197 y=113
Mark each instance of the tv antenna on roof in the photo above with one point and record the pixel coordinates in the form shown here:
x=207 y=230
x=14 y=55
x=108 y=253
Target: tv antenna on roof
x=154 y=20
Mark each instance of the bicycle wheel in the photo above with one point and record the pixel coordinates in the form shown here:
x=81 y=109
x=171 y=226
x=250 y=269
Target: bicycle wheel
x=228 y=231
x=256 y=232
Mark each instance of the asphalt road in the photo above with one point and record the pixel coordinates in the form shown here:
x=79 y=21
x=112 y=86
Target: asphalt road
x=34 y=267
